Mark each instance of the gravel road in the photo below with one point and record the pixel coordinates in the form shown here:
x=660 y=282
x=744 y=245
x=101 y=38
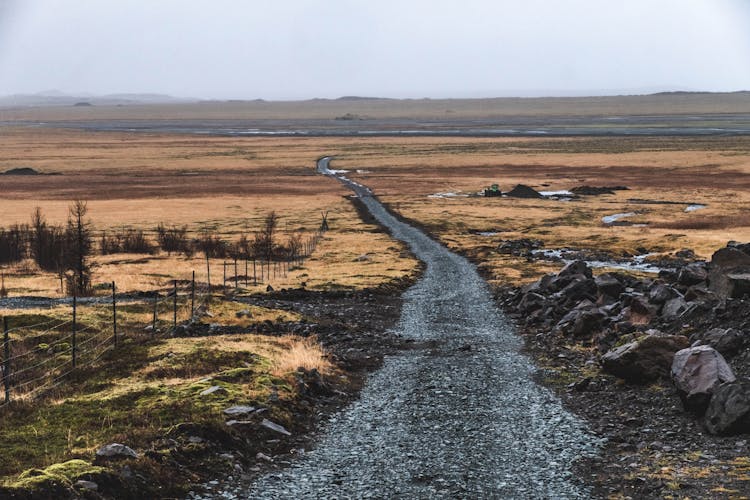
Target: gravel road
x=459 y=417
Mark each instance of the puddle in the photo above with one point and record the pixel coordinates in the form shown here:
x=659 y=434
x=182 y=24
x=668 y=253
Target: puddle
x=694 y=207
x=448 y=195
x=562 y=192
x=609 y=219
x=637 y=263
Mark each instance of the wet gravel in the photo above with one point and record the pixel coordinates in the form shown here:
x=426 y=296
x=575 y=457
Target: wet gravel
x=457 y=417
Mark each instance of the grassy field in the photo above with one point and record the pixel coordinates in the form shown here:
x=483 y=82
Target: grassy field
x=228 y=185
x=713 y=171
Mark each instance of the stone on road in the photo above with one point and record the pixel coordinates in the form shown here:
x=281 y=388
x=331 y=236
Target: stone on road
x=446 y=420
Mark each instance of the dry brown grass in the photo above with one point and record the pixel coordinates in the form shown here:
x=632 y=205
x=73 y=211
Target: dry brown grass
x=223 y=184
x=231 y=183
x=301 y=353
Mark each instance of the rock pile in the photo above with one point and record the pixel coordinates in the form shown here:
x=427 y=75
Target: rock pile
x=683 y=325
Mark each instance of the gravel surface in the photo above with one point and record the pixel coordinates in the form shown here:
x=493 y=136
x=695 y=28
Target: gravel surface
x=457 y=417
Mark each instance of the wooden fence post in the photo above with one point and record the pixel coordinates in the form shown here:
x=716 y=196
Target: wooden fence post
x=174 y=302
x=224 y=282
x=246 y=273
x=236 y=284
x=255 y=276
x=114 y=314
x=153 y=322
x=75 y=307
x=192 y=296
x=208 y=273
x=6 y=361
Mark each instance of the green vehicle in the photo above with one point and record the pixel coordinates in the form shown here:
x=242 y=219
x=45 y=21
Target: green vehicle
x=493 y=190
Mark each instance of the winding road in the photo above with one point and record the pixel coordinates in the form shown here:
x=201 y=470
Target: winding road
x=459 y=418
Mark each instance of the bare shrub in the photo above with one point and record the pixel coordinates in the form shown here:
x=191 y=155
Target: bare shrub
x=173 y=239
x=212 y=245
x=13 y=244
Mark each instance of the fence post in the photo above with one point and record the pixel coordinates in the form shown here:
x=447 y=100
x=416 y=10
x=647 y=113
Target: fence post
x=6 y=361
x=224 y=282
x=153 y=323
x=208 y=273
x=255 y=277
x=192 y=296
x=174 y=302
x=236 y=284
x=75 y=306
x=114 y=314
x=245 y=272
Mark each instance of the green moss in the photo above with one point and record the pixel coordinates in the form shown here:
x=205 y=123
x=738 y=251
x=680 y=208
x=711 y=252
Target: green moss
x=65 y=473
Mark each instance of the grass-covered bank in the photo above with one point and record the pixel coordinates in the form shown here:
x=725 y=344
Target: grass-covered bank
x=165 y=398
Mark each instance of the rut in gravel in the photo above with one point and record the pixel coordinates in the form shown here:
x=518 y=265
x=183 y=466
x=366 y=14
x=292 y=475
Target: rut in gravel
x=460 y=417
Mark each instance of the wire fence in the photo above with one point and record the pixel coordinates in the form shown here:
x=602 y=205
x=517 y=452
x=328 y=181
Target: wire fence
x=38 y=357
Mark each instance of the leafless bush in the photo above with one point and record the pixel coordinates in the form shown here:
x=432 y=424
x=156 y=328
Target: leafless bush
x=126 y=241
x=13 y=244
x=173 y=239
x=212 y=245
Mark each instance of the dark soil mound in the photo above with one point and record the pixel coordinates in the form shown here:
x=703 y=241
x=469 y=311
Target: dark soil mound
x=595 y=191
x=523 y=191
x=21 y=171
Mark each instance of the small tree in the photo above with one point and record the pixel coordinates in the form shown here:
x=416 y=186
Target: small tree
x=78 y=248
x=263 y=244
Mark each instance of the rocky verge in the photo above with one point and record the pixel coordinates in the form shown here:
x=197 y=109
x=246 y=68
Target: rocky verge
x=658 y=365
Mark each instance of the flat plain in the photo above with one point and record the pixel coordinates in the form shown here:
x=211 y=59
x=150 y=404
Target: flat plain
x=187 y=165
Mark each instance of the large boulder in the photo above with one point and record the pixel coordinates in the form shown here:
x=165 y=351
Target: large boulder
x=531 y=302
x=725 y=340
x=644 y=360
x=729 y=274
x=729 y=410
x=692 y=274
x=674 y=308
x=608 y=285
x=576 y=267
x=637 y=310
x=696 y=372
x=581 y=288
x=660 y=293
x=582 y=322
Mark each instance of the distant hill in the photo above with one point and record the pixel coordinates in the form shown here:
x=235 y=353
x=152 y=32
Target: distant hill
x=56 y=98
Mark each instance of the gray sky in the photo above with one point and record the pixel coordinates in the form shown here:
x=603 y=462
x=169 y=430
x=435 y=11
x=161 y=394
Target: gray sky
x=288 y=49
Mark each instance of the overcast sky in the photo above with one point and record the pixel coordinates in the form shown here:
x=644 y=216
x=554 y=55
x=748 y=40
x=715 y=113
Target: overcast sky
x=290 y=49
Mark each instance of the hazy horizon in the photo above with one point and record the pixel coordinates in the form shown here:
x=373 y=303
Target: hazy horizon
x=314 y=49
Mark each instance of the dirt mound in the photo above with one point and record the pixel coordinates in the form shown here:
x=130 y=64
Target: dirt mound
x=21 y=171
x=595 y=191
x=523 y=191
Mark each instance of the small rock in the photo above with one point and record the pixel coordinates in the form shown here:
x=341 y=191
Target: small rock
x=263 y=456
x=116 y=450
x=234 y=411
x=213 y=389
x=245 y=313
x=87 y=485
x=275 y=427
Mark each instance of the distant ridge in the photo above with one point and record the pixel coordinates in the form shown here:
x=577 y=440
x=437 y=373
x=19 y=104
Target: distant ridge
x=56 y=98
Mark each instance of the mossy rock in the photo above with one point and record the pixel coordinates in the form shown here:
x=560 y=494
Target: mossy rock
x=55 y=481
